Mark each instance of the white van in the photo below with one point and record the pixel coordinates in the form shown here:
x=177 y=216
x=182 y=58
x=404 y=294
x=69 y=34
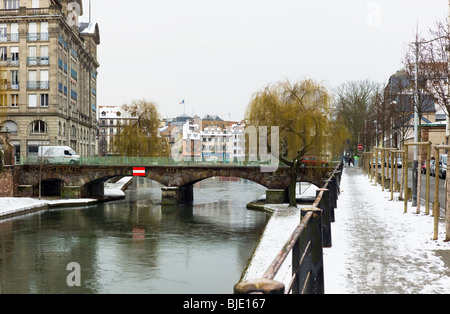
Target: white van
x=57 y=155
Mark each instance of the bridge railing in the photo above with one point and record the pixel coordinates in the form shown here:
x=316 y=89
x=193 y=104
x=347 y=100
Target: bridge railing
x=145 y=161
x=148 y=161
x=306 y=244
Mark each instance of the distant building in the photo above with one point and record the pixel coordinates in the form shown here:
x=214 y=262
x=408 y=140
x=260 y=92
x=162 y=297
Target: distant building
x=110 y=120
x=399 y=94
x=48 y=76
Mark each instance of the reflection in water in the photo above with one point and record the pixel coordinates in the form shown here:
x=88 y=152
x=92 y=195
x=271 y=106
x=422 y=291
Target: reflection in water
x=134 y=245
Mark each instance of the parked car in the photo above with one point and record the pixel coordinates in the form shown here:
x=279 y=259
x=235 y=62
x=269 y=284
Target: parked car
x=424 y=166
x=58 y=155
x=442 y=166
x=399 y=162
x=313 y=161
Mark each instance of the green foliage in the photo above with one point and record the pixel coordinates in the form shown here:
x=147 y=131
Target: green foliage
x=302 y=113
x=140 y=137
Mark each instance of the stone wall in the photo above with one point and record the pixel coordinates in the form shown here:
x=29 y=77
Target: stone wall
x=7 y=182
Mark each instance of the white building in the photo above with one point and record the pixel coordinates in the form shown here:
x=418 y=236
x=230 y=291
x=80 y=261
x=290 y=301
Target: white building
x=110 y=120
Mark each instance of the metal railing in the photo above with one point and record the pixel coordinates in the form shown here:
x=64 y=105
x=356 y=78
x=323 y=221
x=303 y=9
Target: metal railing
x=306 y=244
x=150 y=161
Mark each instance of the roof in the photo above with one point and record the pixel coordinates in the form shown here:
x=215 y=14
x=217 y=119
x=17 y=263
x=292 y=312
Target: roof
x=212 y=118
x=90 y=29
x=435 y=124
x=405 y=103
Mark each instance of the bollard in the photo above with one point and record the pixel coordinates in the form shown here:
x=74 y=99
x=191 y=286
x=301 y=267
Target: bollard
x=326 y=216
x=311 y=267
x=329 y=186
x=436 y=204
x=405 y=174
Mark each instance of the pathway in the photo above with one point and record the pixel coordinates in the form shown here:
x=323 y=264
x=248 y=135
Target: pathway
x=379 y=249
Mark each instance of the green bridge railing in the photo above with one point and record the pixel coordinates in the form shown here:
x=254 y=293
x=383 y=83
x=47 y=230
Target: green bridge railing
x=148 y=161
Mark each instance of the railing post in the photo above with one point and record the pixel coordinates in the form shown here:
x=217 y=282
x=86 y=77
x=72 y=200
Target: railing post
x=259 y=286
x=331 y=199
x=311 y=269
x=436 y=204
x=326 y=217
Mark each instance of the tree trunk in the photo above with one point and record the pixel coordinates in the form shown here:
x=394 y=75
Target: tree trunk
x=292 y=192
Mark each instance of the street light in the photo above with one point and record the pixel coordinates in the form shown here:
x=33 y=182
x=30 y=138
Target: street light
x=417 y=43
x=376 y=133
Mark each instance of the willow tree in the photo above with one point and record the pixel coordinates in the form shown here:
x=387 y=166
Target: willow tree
x=301 y=111
x=139 y=136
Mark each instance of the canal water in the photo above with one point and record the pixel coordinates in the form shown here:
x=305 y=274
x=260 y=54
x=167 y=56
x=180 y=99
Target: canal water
x=134 y=245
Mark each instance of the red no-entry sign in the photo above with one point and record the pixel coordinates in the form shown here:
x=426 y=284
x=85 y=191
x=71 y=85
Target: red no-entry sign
x=360 y=147
x=139 y=171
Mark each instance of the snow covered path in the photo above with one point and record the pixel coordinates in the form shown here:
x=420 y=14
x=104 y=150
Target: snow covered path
x=379 y=249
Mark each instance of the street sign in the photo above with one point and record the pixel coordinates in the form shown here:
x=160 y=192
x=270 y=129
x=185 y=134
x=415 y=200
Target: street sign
x=138 y=171
x=360 y=147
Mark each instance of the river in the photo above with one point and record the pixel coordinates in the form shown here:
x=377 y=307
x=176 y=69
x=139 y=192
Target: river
x=134 y=245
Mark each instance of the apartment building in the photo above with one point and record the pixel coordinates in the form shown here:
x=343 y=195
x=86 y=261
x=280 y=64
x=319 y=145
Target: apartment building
x=48 y=65
x=110 y=121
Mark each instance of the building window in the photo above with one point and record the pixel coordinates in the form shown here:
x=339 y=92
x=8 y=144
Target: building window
x=14 y=32
x=44 y=100
x=14 y=80
x=44 y=55
x=3 y=54
x=32 y=100
x=14 y=55
x=10 y=127
x=11 y=4
x=44 y=31
x=44 y=83
x=14 y=100
x=32 y=31
x=38 y=127
x=3 y=32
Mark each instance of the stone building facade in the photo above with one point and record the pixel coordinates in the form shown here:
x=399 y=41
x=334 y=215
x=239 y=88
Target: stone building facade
x=48 y=64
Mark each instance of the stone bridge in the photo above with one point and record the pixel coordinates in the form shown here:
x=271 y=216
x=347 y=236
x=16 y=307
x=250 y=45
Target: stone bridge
x=88 y=181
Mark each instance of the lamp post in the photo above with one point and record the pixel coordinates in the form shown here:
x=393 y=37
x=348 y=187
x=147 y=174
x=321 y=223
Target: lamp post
x=376 y=133
x=417 y=44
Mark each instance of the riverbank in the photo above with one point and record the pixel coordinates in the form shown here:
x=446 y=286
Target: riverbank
x=282 y=223
x=16 y=206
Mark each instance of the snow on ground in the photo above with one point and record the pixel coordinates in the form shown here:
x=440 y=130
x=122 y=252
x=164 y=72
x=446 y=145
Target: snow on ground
x=15 y=205
x=377 y=248
x=280 y=227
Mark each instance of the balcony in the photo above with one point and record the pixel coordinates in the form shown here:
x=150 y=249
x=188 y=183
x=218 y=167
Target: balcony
x=10 y=86
x=9 y=62
x=38 y=85
x=14 y=38
x=38 y=61
x=29 y=12
x=37 y=37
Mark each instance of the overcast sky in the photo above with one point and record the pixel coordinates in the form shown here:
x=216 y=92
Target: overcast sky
x=216 y=54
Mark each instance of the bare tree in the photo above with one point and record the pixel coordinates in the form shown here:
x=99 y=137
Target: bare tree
x=437 y=67
x=416 y=59
x=353 y=105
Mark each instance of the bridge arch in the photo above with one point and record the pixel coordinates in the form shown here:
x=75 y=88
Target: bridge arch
x=90 y=178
